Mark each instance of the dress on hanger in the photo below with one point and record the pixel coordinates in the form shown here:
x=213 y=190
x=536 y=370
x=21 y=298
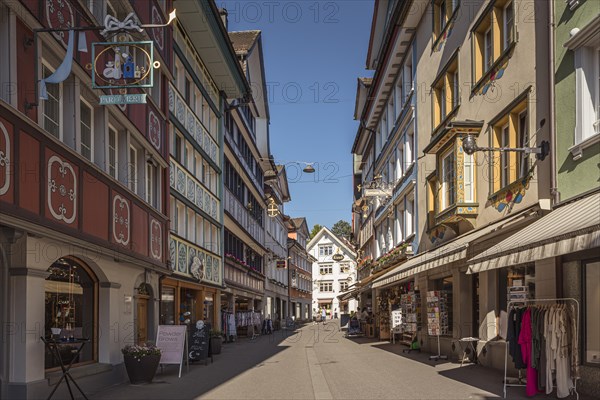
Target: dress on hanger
x=525 y=340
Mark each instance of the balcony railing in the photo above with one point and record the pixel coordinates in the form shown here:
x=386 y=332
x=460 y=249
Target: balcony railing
x=187 y=118
x=187 y=185
x=239 y=212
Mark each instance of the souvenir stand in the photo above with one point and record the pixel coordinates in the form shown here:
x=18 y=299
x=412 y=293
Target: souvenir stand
x=410 y=304
x=437 y=318
x=568 y=308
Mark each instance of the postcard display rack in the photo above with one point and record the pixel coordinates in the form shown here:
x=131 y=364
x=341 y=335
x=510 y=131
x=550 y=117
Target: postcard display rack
x=439 y=303
x=410 y=306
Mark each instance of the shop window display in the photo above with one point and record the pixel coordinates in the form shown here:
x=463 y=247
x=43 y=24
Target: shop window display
x=591 y=354
x=167 y=306
x=70 y=305
x=188 y=311
x=516 y=283
x=390 y=300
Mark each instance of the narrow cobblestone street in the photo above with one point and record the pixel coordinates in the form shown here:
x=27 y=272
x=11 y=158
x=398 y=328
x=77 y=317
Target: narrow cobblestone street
x=317 y=362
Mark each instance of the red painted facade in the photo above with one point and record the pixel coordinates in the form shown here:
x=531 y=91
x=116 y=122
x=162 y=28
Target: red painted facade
x=47 y=183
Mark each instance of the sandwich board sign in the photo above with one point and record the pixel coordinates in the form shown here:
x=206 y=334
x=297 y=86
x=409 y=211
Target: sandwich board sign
x=172 y=342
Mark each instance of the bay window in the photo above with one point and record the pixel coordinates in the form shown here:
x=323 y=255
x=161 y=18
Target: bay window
x=448 y=180
x=469 y=178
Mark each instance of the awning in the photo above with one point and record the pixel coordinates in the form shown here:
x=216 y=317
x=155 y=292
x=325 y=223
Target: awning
x=325 y=301
x=349 y=294
x=569 y=228
x=450 y=252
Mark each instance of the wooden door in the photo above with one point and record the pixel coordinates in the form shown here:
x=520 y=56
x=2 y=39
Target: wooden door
x=142 y=319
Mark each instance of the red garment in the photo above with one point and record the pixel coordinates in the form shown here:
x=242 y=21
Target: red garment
x=526 y=340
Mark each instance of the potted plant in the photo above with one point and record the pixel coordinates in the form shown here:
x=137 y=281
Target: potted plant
x=141 y=361
x=216 y=340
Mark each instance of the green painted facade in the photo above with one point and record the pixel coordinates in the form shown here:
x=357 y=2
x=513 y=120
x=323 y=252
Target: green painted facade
x=574 y=176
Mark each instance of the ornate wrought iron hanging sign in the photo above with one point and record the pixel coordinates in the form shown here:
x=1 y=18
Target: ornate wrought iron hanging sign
x=123 y=65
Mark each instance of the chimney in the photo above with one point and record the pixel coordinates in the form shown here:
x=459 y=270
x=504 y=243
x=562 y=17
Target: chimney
x=223 y=14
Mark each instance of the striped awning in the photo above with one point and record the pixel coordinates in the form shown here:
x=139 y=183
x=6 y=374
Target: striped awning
x=448 y=253
x=569 y=228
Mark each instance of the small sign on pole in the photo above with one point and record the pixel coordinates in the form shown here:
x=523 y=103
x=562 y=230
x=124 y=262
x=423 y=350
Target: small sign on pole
x=172 y=340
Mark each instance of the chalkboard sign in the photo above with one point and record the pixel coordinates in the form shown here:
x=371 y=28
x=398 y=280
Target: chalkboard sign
x=199 y=339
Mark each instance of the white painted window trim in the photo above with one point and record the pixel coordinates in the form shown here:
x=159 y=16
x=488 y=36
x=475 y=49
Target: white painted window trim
x=444 y=175
x=585 y=43
x=132 y=180
x=42 y=109
x=80 y=141
x=469 y=178
x=506 y=41
x=116 y=150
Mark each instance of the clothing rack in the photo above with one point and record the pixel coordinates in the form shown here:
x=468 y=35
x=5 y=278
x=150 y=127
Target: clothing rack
x=534 y=302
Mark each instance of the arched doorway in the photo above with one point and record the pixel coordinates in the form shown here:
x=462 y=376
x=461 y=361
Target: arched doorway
x=71 y=304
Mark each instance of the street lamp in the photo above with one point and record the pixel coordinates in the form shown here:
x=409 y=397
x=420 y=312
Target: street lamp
x=309 y=169
x=470 y=146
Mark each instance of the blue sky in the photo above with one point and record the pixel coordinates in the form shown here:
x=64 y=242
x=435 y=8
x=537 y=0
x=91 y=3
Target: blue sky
x=313 y=51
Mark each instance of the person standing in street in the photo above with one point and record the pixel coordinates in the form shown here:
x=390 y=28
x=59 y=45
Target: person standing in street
x=323 y=315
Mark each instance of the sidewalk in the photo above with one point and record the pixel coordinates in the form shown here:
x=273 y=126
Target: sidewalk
x=235 y=359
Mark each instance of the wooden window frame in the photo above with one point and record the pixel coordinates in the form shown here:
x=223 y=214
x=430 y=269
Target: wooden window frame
x=445 y=93
x=449 y=13
x=492 y=20
x=83 y=101
x=42 y=117
x=445 y=202
x=115 y=149
x=509 y=117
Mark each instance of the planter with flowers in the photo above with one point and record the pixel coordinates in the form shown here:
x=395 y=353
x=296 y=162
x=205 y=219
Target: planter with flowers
x=141 y=362
x=233 y=259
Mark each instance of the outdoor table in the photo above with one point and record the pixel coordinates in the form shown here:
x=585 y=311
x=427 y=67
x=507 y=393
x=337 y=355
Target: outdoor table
x=53 y=346
x=469 y=343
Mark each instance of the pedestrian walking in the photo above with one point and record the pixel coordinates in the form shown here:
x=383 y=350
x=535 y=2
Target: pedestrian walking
x=323 y=315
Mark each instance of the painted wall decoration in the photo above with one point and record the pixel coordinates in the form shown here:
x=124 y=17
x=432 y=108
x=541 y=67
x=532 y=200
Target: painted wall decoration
x=496 y=74
x=512 y=194
x=192 y=261
x=59 y=15
x=121 y=220
x=5 y=159
x=437 y=234
x=62 y=190
x=158 y=33
x=155 y=239
x=154 y=129
x=173 y=254
x=445 y=36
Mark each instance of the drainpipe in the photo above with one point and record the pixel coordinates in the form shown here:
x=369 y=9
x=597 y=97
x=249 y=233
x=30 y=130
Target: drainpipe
x=554 y=194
